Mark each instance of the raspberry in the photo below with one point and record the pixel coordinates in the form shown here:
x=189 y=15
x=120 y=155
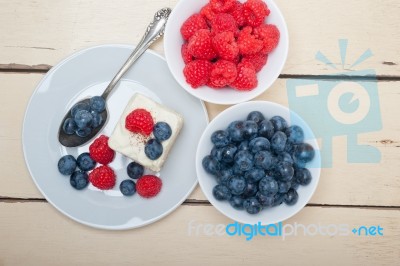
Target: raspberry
x=248 y=43
x=208 y=13
x=139 y=121
x=197 y=72
x=102 y=177
x=192 y=24
x=220 y=6
x=224 y=22
x=187 y=57
x=237 y=13
x=269 y=35
x=223 y=73
x=226 y=46
x=254 y=12
x=100 y=151
x=246 y=77
x=148 y=186
x=257 y=60
x=200 y=45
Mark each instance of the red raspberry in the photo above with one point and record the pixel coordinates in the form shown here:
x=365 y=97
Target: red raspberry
x=223 y=73
x=226 y=46
x=139 y=121
x=257 y=60
x=148 y=186
x=269 y=35
x=197 y=72
x=246 y=77
x=220 y=6
x=237 y=13
x=200 y=45
x=208 y=13
x=224 y=22
x=187 y=57
x=102 y=177
x=192 y=24
x=100 y=151
x=248 y=43
x=254 y=12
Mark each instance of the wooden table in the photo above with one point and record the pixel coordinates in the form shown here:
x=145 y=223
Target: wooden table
x=35 y=35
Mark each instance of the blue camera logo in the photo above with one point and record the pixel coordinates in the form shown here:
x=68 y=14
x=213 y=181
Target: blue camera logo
x=348 y=105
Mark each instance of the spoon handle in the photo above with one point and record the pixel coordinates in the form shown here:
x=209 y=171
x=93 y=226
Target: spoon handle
x=153 y=32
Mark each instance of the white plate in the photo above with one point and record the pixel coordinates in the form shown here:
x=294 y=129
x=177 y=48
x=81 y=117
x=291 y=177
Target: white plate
x=207 y=181
x=266 y=77
x=87 y=73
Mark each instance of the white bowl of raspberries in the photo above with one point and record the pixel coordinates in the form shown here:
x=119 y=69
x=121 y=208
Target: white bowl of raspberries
x=258 y=162
x=226 y=51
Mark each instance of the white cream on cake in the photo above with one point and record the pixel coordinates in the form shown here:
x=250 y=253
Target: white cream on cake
x=132 y=144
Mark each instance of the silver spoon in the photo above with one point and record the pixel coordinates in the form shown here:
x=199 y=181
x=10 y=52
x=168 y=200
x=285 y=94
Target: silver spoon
x=153 y=32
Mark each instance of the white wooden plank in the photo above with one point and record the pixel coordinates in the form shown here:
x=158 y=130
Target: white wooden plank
x=44 y=32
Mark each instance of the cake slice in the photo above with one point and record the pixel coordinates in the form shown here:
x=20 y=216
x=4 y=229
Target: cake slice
x=132 y=144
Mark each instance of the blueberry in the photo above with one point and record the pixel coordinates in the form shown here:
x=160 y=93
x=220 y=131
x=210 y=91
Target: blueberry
x=284 y=186
x=266 y=129
x=279 y=123
x=236 y=170
x=66 y=164
x=79 y=180
x=303 y=152
x=285 y=157
x=265 y=201
x=223 y=176
x=254 y=175
x=278 y=199
x=83 y=132
x=211 y=165
x=228 y=153
x=162 y=131
x=79 y=106
x=244 y=160
x=252 y=206
x=85 y=162
x=291 y=197
x=221 y=192
x=97 y=104
x=244 y=145
x=259 y=144
x=263 y=159
x=294 y=184
x=69 y=126
x=236 y=202
x=83 y=119
x=302 y=176
x=295 y=134
x=285 y=171
x=225 y=166
x=250 y=129
x=97 y=119
x=134 y=170
x=278 y=142
x=153 y=149
x=236 y=131
x=289 y=147
x=268 y=186
x=216 y=153
x=250 y=190
x=127 y=187
x=237 y=185
x=220 y=138
x=256 y=116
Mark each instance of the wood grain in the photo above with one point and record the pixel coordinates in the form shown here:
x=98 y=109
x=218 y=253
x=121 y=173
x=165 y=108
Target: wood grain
x=36 y=235
x=343 y=184
x=44 y=32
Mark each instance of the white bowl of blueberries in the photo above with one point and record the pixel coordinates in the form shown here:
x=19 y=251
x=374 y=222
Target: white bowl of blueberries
x=258 y=162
